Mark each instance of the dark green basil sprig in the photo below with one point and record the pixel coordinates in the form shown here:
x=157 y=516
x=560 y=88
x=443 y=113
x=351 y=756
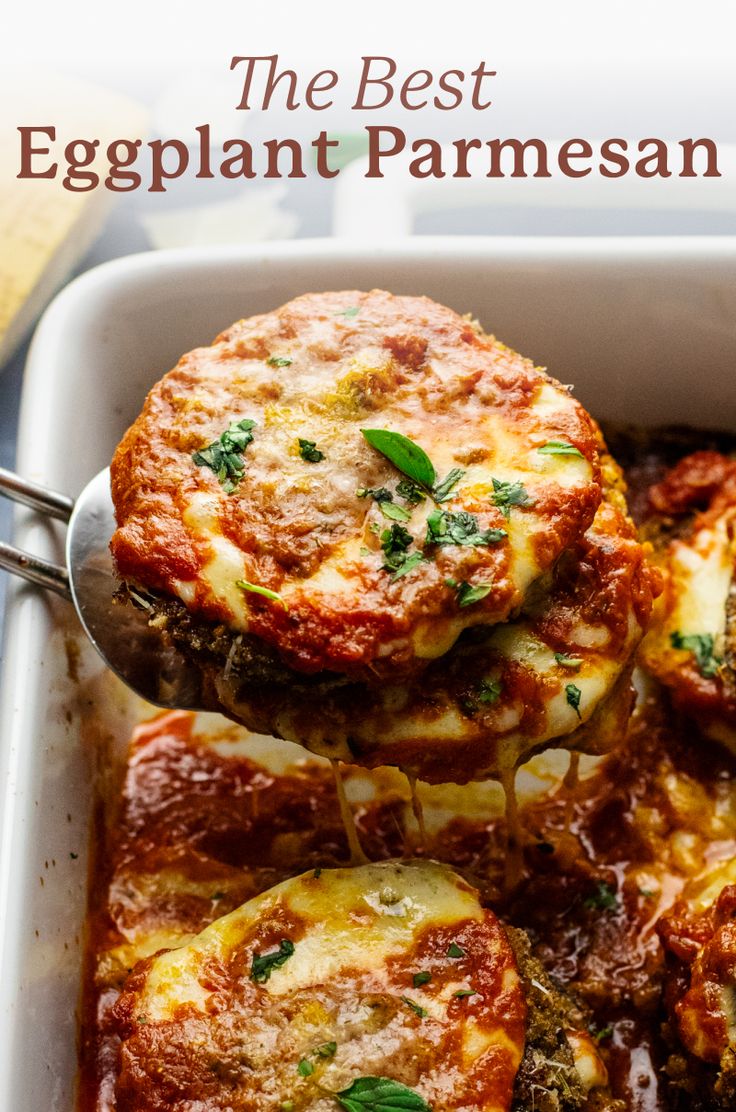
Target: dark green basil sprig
x=413 y=461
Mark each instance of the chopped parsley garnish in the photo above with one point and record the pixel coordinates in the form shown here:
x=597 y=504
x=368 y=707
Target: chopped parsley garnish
x=413 y=462
x=224 y=456
x=442 y=491
x=604 y=1033
x=287 y=1106
x=702 y=646
x=422 y=978
x=378 y=494
x=566 y=661
x=505 y=495
x=647 y=893
x=572 y=694
x=559 y=448
x=254 y=589
x=416 y=1008
x=455 y=951
x=459 y=528
x=380 y=1094
x=317 y=873
x=327 y=1050
x=305 y=1068
x=489 y=691
x=263 y=965
x=461 y=992
x=394 y=543
x=410 y=491
x=309 y=451
x=393 y=512
x=351 y=312
x=279 y=361
x=467 y=593
x=603 y=899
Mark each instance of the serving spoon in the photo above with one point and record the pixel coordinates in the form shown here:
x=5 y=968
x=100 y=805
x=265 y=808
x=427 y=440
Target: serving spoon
x=136 y=651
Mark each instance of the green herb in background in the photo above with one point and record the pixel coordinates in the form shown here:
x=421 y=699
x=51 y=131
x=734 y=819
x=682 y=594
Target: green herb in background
x=309 y=451
x=244 y=585
x=263 y=965
x=459 y=528
x=506 y=494
x=572 y=694
x=224 y=456
x=559 y=448
x=702 y=646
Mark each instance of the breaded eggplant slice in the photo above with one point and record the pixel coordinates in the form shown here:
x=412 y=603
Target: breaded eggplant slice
x=556 y=676
x=699 y=935
x=328 y=984
x=249 y=465
x=691 y=647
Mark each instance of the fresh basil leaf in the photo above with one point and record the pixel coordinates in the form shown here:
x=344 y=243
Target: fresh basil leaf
x=410 y=491
x=566 y=661
x=309 y=451
x=559 y=448
x=462 y=992
x=263 y=965
x=403 y=453
x=394 y=512
x=455 y=951
x=506 y=494
x=459 y=528
x=380 y=1094
x=422 y=978
x=702 y=646
x=224 y=455
x=256 y=590
x=279 y=361
x=442 y=491
x=378 y=494
x=327 y=1050
x=604 y=898
x=416 y=1008
x=572 y=694
x=305 y=1068
x=351 y=312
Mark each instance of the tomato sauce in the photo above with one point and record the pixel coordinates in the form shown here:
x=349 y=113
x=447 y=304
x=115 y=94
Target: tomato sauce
x=197 y=832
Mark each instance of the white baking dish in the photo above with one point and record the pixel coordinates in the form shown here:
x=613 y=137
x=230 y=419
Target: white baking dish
x=646 y=329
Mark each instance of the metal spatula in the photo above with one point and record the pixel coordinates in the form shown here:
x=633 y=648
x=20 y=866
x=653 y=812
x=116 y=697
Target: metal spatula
x=135 y=651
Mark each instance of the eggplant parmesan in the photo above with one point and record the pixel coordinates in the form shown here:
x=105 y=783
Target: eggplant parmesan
x=382 y=534
x=691 y=647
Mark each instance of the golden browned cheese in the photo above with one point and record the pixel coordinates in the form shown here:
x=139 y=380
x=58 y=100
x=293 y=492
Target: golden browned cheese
x=309 y=992
x=283 y=513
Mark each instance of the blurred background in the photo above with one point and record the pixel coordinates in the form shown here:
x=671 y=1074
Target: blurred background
x=566 y=70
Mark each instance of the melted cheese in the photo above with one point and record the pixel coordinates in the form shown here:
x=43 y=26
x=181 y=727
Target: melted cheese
x=298 y=528
x=700 y=570
x=358 y=936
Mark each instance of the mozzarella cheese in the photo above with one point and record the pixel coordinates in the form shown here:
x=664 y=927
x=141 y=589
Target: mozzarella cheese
x=557 y=675
x=312 y=985
x=692 y=615
x=322 y=369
